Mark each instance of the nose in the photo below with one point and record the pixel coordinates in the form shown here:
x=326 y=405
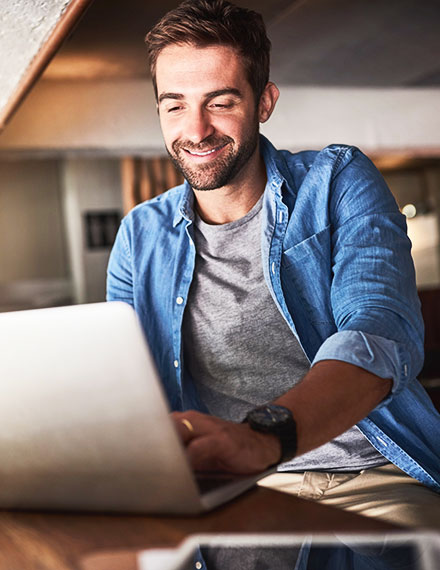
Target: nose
x=198 y=126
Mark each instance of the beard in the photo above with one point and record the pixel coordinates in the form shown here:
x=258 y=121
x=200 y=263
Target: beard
x=219 y=171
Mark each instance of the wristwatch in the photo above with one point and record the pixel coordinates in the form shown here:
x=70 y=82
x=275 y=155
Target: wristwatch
x=278 y=421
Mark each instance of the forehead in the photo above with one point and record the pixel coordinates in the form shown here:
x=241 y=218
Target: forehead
x=182 y=68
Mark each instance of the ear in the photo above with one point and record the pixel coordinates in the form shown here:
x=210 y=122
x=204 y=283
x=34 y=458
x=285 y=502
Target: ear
x=267 y=102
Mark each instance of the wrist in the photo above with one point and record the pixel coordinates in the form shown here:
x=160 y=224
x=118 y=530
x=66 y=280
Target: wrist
x=278 y=422
x=271 y=446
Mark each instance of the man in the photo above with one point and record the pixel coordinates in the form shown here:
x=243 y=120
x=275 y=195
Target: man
x=276 y=288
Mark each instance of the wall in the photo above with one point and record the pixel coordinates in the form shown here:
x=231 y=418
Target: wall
x=89 y=185
x=33 y=262
x=109 y=116
x=31 y=236
x=43 y=255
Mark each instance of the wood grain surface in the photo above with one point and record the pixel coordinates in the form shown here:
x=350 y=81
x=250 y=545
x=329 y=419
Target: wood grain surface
x=67 y=541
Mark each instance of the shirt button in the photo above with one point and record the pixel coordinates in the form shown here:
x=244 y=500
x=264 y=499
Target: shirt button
x=179 y=300
x=273 y=267
x=198 y=565
x=176 y=364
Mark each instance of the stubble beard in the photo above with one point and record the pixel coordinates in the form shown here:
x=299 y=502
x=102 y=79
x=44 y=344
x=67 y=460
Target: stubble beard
x=220 y=171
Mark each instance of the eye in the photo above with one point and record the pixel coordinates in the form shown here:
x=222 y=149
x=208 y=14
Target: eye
x=173 y=109
x=220 y=106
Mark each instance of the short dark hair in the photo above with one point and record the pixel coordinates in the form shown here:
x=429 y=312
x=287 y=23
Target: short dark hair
x=215 y=22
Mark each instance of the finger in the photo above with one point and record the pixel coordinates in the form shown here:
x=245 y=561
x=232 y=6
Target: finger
x=238 y=450
x=184 y=427
x=191 y=424
x=188 y=425
x=204 y=455
x=211 y=454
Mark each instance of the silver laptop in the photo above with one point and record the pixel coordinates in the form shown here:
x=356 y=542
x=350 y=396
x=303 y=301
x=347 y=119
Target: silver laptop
x=84 y=423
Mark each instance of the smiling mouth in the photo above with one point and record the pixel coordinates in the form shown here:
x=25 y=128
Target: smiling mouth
x=206 y=152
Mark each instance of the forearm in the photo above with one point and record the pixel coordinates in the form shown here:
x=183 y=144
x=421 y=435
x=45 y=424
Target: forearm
x=332 y=397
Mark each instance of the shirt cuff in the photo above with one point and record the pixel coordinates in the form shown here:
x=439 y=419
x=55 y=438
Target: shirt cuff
x=373 y=353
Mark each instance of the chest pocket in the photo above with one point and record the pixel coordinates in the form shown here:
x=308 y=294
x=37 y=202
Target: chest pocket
x=306 y=277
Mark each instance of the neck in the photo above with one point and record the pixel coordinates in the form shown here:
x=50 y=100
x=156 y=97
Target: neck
x=232 y=202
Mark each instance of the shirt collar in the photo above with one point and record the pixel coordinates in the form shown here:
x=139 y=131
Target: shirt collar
x=186 y=205
x=276 y=167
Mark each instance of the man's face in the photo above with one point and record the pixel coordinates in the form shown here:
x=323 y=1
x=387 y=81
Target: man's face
x=207 y=112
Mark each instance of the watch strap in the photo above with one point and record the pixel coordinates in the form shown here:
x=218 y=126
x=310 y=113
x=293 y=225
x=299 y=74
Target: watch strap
x=278 y=421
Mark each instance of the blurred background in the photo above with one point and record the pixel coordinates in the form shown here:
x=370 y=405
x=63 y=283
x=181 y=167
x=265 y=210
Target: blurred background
x=81 y=142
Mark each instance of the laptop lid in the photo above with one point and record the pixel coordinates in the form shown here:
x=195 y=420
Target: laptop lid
x=84 y=423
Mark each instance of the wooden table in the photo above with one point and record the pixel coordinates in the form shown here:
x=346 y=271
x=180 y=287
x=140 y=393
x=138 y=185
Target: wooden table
x=65 y=541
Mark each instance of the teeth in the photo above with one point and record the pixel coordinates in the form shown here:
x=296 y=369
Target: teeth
x=203 y=153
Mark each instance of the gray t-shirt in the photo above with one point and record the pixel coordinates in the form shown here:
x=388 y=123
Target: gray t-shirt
x=237 y=346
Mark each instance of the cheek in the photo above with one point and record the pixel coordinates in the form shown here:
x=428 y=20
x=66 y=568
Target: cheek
x=169 y=129
x=232 y=126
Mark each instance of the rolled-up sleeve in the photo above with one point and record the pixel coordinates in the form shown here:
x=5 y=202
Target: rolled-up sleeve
x=380 y=356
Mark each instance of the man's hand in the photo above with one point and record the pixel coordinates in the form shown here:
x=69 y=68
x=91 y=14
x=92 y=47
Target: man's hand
x=214 y=444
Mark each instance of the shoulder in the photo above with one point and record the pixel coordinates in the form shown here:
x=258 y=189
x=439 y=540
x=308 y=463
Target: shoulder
x=328 y=162
x=335 y=172
x=317 y=166
x=333 y=184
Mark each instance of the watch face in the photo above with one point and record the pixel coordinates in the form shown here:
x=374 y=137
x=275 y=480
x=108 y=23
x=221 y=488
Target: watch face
x=270 y=416
x=279 y=421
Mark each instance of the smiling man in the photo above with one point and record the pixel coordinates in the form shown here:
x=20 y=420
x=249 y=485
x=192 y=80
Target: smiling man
x=212 y=137
x=276 y=290
x=210 y=122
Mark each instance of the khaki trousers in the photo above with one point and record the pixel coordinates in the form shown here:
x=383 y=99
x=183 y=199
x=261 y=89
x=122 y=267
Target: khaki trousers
x=385 y=493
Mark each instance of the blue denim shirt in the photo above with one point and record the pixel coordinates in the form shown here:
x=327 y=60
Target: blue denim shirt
x=336 y=259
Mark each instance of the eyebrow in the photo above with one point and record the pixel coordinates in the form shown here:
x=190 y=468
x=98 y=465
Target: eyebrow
x=225 y=91
x=163 y=96
x=210 y=95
